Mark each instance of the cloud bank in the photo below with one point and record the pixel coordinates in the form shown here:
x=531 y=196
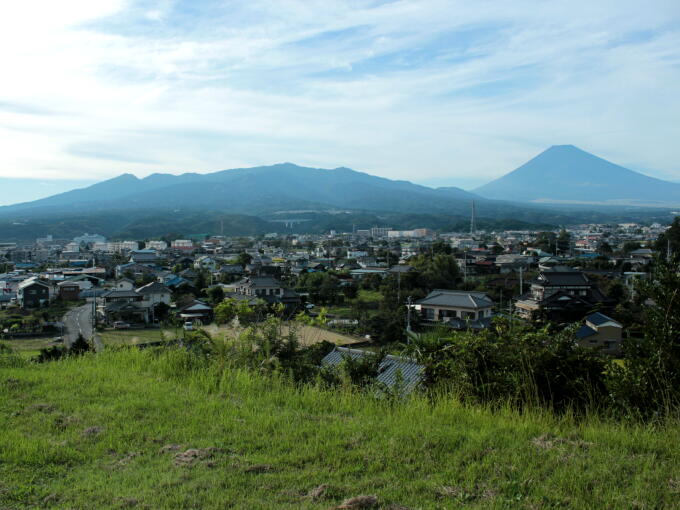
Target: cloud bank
x=427 y=90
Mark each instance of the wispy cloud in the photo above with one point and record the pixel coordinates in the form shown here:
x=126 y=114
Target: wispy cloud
x=425 y=90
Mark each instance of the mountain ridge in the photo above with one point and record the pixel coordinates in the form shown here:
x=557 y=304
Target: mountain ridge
x=248 y=189
x=567 y=174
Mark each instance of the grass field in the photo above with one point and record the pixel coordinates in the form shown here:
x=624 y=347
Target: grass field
x=307 y=334
x=370 y=296
x=29 y=347
x=150 y=429
x=115 y=337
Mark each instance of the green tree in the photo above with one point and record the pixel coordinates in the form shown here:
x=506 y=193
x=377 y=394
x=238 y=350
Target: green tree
x=629 y=246
x=226 y=311
x=215 y=294
x=323 y=288
x=670 y=239
x=545 y=241
x=438 y=272
x=649 y=382
x=244 y=259
x=563 y=241
x=605 y=249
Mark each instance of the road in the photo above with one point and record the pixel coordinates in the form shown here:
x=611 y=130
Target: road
x=79 y=322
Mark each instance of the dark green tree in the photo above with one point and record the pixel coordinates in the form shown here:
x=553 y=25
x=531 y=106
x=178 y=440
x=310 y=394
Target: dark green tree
x=649 y=382
x=215 y=294
x=563 y=242
x=244 y=259
x=670 y=239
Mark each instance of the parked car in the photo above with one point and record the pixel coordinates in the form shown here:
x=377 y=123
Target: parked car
x=121 y=325
x=188 y=326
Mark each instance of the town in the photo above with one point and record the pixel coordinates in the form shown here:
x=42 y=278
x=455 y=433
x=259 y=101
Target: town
x=373 y=286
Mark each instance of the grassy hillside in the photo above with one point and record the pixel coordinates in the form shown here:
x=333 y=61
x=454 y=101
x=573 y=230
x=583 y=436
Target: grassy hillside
x=113 y=430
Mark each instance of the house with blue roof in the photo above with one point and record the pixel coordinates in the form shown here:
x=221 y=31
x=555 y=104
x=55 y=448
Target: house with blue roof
x=600 y=332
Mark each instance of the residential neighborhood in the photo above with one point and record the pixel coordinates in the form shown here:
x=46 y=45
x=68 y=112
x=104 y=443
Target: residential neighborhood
x=374 y=285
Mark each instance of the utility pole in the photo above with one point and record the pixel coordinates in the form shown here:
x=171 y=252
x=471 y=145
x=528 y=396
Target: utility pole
x=521 y=282
x=408 y=320
x=398 y=286
x=472 y=220
x=465 y=266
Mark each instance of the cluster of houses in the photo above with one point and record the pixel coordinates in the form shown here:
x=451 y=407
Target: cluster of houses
x=131 y=283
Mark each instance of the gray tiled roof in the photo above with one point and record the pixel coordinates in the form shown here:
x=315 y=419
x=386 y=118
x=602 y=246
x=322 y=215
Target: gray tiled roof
x=456 y=299
x=121 y=294
x=153 y=288
x=563 y=278
x=392 y=368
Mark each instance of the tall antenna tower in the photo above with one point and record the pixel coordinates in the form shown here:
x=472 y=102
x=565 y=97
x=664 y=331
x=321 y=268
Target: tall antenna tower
x=472 y=220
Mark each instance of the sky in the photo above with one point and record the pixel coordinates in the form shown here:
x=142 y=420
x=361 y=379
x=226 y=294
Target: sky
x=436 y=92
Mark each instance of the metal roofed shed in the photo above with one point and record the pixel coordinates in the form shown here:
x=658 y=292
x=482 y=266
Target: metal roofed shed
x=392 y=368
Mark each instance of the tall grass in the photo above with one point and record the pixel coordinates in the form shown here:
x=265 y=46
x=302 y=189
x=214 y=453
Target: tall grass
x=279 y=440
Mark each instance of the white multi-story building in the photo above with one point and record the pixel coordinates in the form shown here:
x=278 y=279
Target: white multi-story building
x=89 y=239
x=182 y=244
x=156 y=245
x=116 y=246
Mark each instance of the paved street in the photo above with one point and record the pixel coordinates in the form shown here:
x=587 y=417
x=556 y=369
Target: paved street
x=79 y=322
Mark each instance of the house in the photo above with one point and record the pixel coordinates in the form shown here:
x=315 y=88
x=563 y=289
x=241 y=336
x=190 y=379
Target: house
x=7 y=299
x=456 y=308
x=393 y=372
x=133 y=270
x=175 y=282
x=560 y=294
x=124 y=305
x=358 y=274
x=124 y=284
x=148 y=257
x=155 y=293
x=205 y=262
x=642 y=254
x=196 y=311
x=401 y=269
x=600 y=332
x=512 y=262
x=232 y=270
x=68 y=290
x=266 y=288
x=33 y=293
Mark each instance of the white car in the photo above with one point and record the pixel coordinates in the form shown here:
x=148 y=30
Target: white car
x=188 y=326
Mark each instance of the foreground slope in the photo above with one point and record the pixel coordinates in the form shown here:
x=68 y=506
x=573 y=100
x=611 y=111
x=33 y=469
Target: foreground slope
x=564 y=173
x=112 y=431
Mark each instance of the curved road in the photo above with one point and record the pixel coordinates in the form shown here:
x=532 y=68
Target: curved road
x=79 y=322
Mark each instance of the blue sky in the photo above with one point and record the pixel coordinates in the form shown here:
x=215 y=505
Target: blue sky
x=437 y=92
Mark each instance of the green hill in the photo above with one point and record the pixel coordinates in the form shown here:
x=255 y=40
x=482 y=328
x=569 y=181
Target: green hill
x=113 y=431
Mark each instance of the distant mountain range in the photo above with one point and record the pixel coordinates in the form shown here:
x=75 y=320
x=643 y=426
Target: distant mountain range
x=567 y=174
x=261 y=199
x=257 y=190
